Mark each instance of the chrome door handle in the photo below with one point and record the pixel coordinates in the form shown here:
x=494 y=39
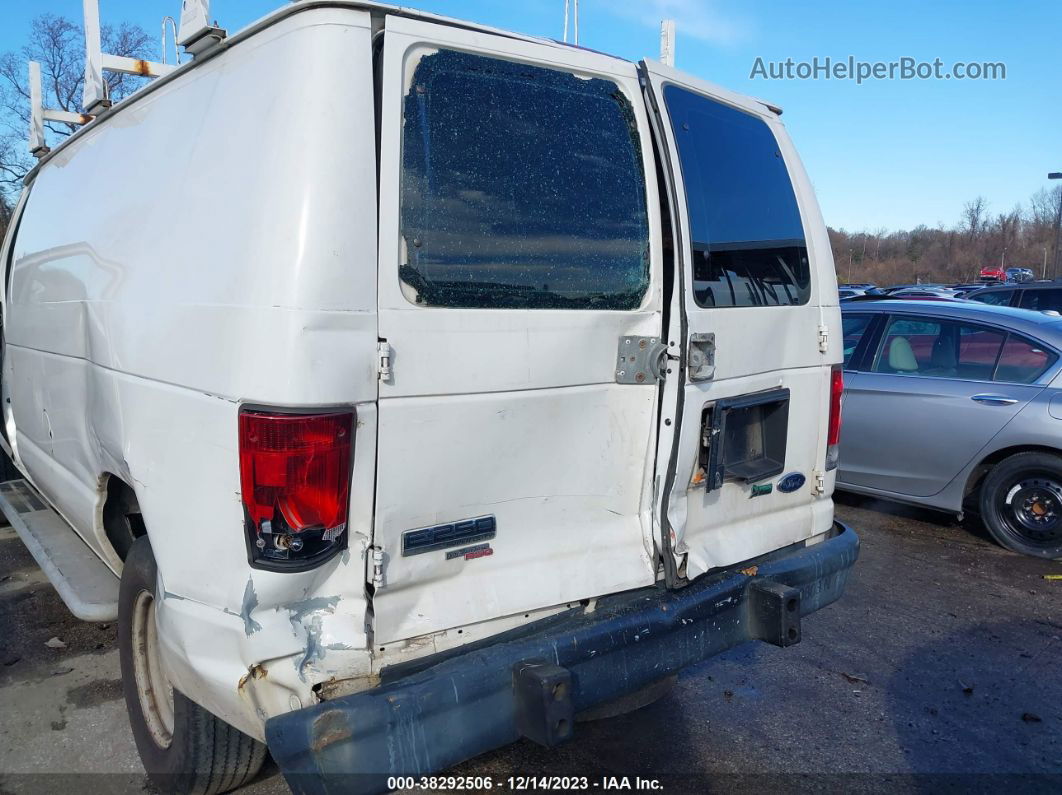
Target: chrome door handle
x=995 y=400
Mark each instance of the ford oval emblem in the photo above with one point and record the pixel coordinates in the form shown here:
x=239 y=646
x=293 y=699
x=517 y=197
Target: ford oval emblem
x=791 y=482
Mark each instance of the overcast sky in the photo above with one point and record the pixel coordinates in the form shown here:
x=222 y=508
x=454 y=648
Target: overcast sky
x=887 y=153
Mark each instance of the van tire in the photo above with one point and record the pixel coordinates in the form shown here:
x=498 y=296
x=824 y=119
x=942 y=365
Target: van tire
x=1018 y=494
x=198 y=752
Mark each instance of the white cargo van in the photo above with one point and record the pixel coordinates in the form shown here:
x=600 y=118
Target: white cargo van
x=405 y=387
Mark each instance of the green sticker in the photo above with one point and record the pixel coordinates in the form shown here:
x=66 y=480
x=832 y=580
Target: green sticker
x=762 y=488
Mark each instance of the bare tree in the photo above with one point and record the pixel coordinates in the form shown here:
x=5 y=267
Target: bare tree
x=974 y=216
x=59 y=45
x=943 y=254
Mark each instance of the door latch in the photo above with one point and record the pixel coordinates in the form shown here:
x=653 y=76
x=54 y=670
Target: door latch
x=383 y=351
x=824 y=338
x=377 y=566
x=702 y=356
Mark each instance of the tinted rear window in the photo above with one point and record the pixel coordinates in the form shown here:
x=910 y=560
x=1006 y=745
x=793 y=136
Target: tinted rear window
x=994 y=297
x=522 y=187
x=748 y=242
x=1041 y=299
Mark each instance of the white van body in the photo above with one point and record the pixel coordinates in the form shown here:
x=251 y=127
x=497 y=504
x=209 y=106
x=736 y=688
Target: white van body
x=230 y=237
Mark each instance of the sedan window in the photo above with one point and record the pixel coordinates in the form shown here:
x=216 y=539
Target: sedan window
x=1023 y=361
x=907 y=346
x=939 y=349
x=854 y=327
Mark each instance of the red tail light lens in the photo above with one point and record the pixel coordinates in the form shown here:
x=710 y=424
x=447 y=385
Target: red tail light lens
x=833 y=433
x=295 y=480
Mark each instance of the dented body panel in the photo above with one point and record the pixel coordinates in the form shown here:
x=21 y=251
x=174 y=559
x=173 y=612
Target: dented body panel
x=146 y=305
x=238 y=237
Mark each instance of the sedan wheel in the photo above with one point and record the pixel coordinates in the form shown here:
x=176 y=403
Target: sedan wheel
x=1021 y=504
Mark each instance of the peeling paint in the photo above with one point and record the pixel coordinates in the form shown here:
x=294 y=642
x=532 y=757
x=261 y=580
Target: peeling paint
x=256 y=671
x=250 y=602
x=305 y=607
x=314 y=650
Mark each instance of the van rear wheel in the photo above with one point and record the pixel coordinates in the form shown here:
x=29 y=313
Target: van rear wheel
x=1021 y=504
x=184 y=747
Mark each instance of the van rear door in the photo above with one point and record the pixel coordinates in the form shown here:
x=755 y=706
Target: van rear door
x=519 y=248
x=743 y=462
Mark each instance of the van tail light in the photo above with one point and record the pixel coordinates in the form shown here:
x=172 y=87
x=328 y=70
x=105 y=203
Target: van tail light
x=833 y=433
x=295 y=481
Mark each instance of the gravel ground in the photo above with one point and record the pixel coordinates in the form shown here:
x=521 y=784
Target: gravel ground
x=938 y=671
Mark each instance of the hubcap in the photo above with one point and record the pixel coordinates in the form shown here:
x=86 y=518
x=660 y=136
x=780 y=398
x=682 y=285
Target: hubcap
x=152 y=685
x=1033 y=510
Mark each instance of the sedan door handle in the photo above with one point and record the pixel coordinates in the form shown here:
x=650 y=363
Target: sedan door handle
x=995 y=400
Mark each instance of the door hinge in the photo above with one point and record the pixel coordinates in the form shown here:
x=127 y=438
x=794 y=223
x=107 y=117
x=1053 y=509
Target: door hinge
x=640 y=360
x=824 y=338
x=383 y=360
x=820 y=482
x=377 y=566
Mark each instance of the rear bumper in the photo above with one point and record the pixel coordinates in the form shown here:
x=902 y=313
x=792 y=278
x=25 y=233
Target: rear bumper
x=456 y=706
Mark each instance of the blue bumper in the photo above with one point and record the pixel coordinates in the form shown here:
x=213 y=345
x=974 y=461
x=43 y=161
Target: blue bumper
x=432 y=714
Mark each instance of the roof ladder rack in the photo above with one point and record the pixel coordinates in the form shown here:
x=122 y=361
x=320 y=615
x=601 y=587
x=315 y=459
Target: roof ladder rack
x=96 y=98
x=196 y=31
x=40 y=114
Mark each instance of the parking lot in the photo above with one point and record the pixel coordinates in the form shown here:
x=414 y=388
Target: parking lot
x=942 y=658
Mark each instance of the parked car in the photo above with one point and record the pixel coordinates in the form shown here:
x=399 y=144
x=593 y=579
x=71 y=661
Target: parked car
x=992 y=274
x=843 y=293
x=957 y=406
x=409 y=435
x=858 y=286
x=963 y=289
x=1020 y=275
x=926 y=293
x=1038 y=296
x=924 y=286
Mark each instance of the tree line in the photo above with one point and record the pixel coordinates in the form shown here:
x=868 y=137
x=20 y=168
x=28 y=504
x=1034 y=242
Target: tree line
x=1024 y=237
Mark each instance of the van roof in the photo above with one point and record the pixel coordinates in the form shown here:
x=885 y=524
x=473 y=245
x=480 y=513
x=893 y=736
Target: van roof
x=294 y=7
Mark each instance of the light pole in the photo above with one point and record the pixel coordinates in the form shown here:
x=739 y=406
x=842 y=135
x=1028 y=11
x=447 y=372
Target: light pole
x=1058 y=228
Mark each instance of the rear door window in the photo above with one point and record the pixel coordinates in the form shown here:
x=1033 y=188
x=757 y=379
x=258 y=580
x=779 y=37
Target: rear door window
x=522 y=187
x=747 y=237
x=939 y=349
x=978 y=351
x=1041 y=300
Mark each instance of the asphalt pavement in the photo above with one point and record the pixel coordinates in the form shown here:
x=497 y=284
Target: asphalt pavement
x=939 y=670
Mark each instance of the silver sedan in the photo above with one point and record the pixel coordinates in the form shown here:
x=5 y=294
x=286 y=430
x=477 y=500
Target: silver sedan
x=957 y=406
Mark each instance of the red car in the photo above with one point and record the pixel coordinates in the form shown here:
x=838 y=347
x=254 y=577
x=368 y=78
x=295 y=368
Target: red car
x=991 y=274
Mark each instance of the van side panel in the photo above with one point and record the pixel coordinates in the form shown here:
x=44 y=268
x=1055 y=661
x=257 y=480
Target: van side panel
x=211 y=243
